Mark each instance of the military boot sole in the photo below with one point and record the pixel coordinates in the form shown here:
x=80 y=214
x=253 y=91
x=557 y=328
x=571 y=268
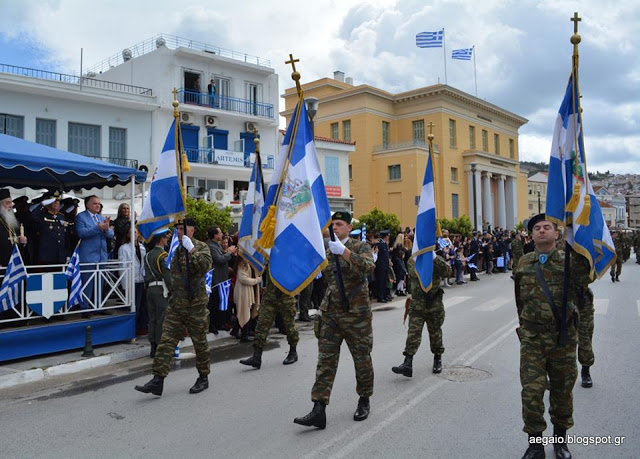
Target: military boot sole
x=149 y=390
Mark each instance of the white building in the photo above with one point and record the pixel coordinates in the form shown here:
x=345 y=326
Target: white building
x=537 y=192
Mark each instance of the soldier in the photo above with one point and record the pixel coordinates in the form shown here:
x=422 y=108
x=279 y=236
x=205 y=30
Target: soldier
x=350 y=322
x=517 y=250
x=425 y=307
x=157 y=278
x=275 y=301
x=51 y=236
x=616 y=269
x=538 y=292
x=583 y=296
x=187 y=309
x=636 y=245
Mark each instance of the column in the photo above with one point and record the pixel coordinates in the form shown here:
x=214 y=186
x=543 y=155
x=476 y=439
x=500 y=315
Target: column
x=478 y=203
x=470 y=194
x=512 y=203
x=487 y=205
x=502 y=214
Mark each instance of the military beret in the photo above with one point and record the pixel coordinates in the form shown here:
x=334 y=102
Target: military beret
x=342 y=215
x=535 y=219
x=4 y=194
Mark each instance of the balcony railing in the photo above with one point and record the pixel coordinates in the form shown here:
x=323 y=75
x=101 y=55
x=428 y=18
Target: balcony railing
x=231 y=104
x=132 y=163
x=403 y=145
x=75 y=80
x=226 y=158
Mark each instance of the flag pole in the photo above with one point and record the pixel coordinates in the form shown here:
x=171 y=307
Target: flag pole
x=430 y=138
x=475 y=73
x=444 y=55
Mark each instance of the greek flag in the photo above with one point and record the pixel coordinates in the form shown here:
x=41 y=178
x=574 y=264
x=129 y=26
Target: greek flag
x=73 y=275
x=424 y=243
x=172 y=247
x=364 y=232
x=250 y=223
x=443 y=243
x=223 y=292
x=208 y=279
x=166 y=199
x=430 y=39
x=13 y=277
x=298 y=210
x=570 y=198
x=462 y=54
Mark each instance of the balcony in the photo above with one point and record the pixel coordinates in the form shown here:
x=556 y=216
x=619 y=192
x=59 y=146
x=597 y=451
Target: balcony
x=231 y=104
x=132 y=163
x=226 y=158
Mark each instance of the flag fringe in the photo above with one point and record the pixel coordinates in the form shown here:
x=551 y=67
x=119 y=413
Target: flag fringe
x=438 y=229
x=268 y=229
x=572 y=205
x=583 y=218
x=185 y=163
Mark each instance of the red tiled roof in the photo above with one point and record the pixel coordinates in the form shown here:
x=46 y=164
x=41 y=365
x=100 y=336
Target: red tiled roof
x=604 y=204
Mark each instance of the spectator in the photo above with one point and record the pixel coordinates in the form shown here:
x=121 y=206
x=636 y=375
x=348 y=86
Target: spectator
x=399 y=267
x=221 y=258
x=9 y=230
x=121 y=226
x=211 y=89
x=124 y=254
x=246 y=296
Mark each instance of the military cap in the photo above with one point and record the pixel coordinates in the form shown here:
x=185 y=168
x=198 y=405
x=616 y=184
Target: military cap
x=186 y=221
x=384 y=233
x=4 y=194
x=355 y=232
x=21 y=200
x=342 y=215
x=50 y=196
x=535 y=219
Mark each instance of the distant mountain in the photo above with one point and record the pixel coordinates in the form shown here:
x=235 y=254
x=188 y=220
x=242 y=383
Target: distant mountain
x=533 y=168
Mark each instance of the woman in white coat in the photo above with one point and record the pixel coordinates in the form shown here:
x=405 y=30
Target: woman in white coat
x=246 y=296
x=124 y=254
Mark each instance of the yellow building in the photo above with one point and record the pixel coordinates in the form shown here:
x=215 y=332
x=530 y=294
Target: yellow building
x=390 y=131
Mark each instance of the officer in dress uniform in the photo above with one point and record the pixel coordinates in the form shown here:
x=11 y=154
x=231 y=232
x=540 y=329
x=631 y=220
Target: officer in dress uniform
x=51 y=237
x=69 y=208
x=157 y=279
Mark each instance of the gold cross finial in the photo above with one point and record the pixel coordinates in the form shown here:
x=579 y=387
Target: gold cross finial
x=295 y=75
x=431 y=126
x=575 y=19
x=293 y=61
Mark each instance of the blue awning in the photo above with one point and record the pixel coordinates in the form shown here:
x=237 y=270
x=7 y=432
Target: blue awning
x=29 y=164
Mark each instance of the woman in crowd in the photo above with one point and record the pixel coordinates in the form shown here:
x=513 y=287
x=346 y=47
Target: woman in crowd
x=124 y=254
x=399 y=268
x=246 y=296
x=121 y=226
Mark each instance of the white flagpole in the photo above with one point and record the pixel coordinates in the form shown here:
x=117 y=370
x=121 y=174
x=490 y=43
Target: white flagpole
x=475 y=73
x=444 y=55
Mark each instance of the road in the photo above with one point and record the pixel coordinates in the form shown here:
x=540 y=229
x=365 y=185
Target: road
x=471 y=410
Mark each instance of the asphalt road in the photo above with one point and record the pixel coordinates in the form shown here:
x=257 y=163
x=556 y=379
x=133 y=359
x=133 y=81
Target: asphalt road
x=471 y=410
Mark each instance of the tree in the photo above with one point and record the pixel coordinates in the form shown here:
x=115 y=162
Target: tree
x=206 y=215
x=377 y=221
x=461 y=225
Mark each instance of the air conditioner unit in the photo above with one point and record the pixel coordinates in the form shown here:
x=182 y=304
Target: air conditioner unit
x=186 y=118
x=221 y=198
x=250 y=126
x=210 y=121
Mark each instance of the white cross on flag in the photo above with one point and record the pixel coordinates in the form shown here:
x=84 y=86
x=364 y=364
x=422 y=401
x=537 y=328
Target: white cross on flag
x=46 y=293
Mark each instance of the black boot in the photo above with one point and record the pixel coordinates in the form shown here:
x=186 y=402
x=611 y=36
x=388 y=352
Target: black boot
x=316 y=418
x=535 y=450
x=437 y=363
x=617 y=278
x=405 y=368
x=244 y=334
x=362 y=412
x=201 y=384
x=304 y=318
x=254 y=361
x=154 y=386
x=235 y=331
x=154 y=348
x=560 y=446
x=292 y=357
x=586 y=377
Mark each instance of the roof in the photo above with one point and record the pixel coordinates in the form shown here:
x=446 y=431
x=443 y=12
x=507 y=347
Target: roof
x=324 y=139
x=38 y=166
x=606 y=205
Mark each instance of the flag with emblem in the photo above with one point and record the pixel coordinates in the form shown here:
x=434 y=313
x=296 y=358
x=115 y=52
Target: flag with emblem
x=223 y=293
x=73 y=275
x=296 y=210
x=13 y=277
x=248 y=232
x=47 y=293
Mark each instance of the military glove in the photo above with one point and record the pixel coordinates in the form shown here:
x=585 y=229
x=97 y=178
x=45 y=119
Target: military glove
x=187 y=243
x=337 y=247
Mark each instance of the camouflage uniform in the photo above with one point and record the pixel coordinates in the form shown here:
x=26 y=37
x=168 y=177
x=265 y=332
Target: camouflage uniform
x=540 y=353
x=636 y=245
x=426 y=307
x=517 y=251
x=275 y=301
x=583 y=298
x=616 y=269
x=354 y=326
x=187 y=309
x=156 y=272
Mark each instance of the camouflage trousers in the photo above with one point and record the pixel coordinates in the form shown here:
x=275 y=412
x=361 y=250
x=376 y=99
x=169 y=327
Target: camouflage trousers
x=266 y=315
x=356 y=329
x=616 y=269
x=585 y=336
x=434 y=317
x=304 y=302
x=195 y=319
x=157 y=308
x=542 y=357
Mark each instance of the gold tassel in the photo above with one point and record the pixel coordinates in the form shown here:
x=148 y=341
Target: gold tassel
x=583 y=218
x=268 y=228
x=572 y=205
x=438 y=229
x=185 y=163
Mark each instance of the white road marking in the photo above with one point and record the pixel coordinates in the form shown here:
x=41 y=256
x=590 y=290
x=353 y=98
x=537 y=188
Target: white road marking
x=601 y=305
x=448 y=302
x=638 y=303
x=495 y=303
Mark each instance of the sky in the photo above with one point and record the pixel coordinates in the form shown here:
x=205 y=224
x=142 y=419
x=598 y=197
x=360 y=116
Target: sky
x=522 y=50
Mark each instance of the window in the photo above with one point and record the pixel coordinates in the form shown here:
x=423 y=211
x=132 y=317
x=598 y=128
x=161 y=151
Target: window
x=117 y=144
x=530 y=206
x=84 y=139
x=485 y=140
x=512 y=149
x=12 y=125
x=496 y=144
x=350 y=173
x=223 y=92
x=394 y=172
x=331 y=171
x=196 y=185
x=335 y=135
x=454 y=174
x=454 y=205
x=346 y=130
x=452 y=133
x=254 y=95
x=418 y=132
x=472 y=137
x=385 y=134
x=46 y=132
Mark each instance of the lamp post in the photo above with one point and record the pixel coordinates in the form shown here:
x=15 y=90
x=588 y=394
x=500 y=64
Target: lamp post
x=312 y=108
x=475 y=212
x=539 y=206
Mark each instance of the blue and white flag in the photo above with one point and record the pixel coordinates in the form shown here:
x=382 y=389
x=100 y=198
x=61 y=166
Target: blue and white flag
x=13 y=277
x=208 y=279
x=298 y=201
x=571 y=201
x=462 y=54
x=364 y=232
x=249 y=226
x=424 y=243
x=172 y=247
x=166 y=198
x=443 y=243
x=223 y=292
x=430 y=39
x=73 y=275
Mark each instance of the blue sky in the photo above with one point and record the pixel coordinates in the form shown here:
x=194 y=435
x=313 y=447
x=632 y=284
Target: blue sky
x=523 y=53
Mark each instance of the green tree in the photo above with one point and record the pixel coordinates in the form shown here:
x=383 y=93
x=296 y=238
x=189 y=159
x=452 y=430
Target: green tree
x=461 y=225
x=206 y=215
x=377 y=221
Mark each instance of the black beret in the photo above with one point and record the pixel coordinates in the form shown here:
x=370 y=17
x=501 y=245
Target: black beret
x=535 y=219
x=342 y=215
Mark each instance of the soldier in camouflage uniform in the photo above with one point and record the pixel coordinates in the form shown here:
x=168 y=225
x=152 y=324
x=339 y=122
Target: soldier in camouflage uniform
x=157 y=279
x=353 y=325
x=541 y=354
x=425 y=307
x=274 y=301
x=583 y=297
x=517 y=250
x=616 y=269
x=187 y=309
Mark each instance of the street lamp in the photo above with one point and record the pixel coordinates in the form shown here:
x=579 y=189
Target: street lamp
x=539 y=207
x=475 y=212
x=312 y=108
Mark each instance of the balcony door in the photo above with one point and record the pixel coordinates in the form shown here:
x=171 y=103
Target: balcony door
x=223 y=92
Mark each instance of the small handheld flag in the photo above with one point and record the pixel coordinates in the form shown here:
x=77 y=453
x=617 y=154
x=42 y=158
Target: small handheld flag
x=13 y=277
x=73 y=275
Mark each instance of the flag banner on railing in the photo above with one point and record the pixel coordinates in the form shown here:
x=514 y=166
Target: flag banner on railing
x=13 y=277
x=73 y=275
x=424 y=243
x=249 y=226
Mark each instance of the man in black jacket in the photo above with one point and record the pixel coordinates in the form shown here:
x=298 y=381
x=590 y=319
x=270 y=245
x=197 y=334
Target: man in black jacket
x=474 y=251
x=220 y=266
x=382 y=268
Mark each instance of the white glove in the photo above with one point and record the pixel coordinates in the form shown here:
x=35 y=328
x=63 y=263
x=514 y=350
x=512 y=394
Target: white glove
x=336 y=247
x=186 y=243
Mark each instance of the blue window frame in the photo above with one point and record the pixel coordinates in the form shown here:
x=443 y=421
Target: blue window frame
x=220 y=138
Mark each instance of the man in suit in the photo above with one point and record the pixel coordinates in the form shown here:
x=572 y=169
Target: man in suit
x=93 y=230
